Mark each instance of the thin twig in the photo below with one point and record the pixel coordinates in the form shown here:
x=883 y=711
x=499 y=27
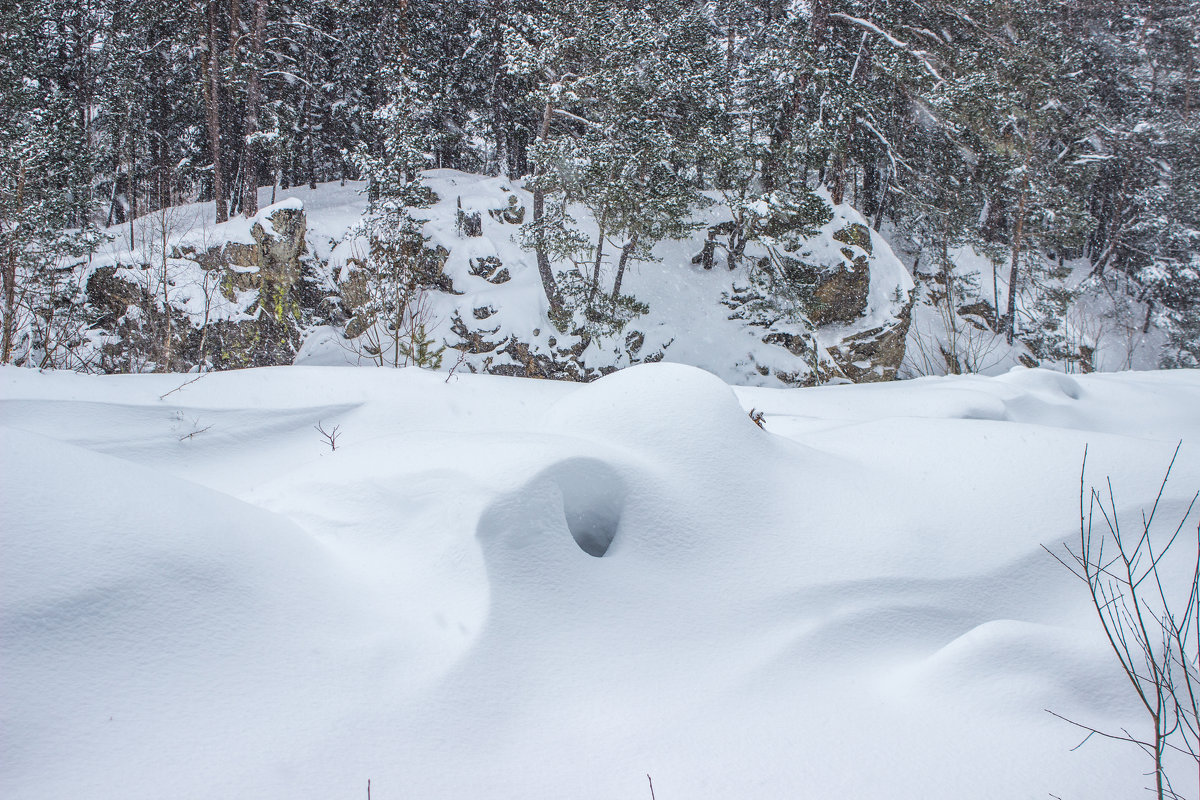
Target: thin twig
x=182 y=385
x=194 y=433
x=331 y=436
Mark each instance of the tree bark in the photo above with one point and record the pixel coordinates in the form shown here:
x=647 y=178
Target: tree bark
x=595 y=287
x=818 y=23
x=1010 y=314
x=8 y=271
x=627 y=251
x=212 y=102
x=539 y=211
x=251 y=149
x=310 y=149
x=1188 y=79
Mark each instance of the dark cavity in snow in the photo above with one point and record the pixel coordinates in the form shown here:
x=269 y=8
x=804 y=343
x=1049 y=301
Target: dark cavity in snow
x=593 y=497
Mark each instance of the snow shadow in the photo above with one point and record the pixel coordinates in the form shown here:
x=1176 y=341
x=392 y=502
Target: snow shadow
x=593 y=498
x=582 y=497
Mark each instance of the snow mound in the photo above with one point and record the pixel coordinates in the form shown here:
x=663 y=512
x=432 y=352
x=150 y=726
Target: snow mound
x=663 y=406
x=579 y=499
x=606 y=580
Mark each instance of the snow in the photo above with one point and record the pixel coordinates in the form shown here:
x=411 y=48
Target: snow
x=1103 y=319
x=688 y=321
x=263 y=217
x=499 y=587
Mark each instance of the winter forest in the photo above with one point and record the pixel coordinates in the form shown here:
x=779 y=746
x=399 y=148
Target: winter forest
x=599 y=399
x=1034 y=165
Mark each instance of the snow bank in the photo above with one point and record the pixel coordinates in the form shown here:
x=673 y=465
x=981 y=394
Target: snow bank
x=511 y=588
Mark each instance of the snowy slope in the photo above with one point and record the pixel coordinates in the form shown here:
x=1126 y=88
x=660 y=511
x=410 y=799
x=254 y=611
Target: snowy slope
x=688 y=320
x=1101 y=326
x=199 y=598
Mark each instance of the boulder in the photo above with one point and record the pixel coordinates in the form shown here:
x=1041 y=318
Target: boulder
x=490 y=268
x=110 y=296
x=469 y=223
x=838 y=292
x=281 y=242
x=512 y=214
x=874 y=355
x=279 y=233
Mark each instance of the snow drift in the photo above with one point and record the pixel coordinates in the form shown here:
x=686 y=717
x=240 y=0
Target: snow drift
x=497 y=587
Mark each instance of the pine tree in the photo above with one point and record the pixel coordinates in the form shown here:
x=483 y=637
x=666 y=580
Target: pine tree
x=45 y=203
x=614 y=125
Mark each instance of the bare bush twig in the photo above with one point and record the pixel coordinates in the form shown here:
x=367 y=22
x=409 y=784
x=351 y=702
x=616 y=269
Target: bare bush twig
x=330 y=436
x=1151 y=631
x=196 y=429
x=182 y=385
x=458 y=362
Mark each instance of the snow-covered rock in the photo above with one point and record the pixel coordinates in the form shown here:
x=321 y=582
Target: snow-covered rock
x=300 y=260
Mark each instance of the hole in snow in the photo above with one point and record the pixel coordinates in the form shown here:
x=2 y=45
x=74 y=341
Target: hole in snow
x=593 y=498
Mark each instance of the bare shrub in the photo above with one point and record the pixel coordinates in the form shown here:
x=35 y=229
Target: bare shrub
x=1149 y=618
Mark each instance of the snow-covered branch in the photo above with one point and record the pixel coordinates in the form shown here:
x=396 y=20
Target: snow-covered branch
x=921 y=55
x=577 y=118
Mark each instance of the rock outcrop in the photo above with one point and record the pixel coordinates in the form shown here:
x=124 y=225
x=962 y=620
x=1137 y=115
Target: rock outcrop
x=234 y=304
x=831 y=298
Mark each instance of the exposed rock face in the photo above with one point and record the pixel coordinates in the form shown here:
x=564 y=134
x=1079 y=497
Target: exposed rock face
x=508 y=355
x=834 y=294
x=110 y=296
x=469 y=223
x=274 y=258
x=280 y=248
x=490 y=269
x=815 y=302
x=841 y=293
x=841 y=296
x=377 y=288
x=259 y=288
x=876 y=354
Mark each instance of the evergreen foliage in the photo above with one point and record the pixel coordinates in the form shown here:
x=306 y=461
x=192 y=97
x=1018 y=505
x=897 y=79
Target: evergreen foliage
x=1033 y=132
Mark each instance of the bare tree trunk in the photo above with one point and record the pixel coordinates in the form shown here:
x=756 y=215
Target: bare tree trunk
x=212 y=102
x=114 y=218
x=250 y=149
x=235 y=25
x=539 y=212
x=626 y=252
x=1188 y=79
x=8 y=271
x=596 y=263
x=836 y=179
x=883 y=198
x=1010 y=314
x=165 y=228
x=818 y=22
x=131 y=180
x=84 y=94
x=310 y=148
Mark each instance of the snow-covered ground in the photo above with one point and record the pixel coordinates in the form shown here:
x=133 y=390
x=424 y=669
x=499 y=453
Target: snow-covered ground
x=688 y=320
x=199 y=598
